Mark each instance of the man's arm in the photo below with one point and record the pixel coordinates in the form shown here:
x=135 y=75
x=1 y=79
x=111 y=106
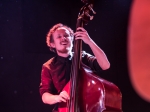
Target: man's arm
x=46 y=89
x=97 y=51
x=100 y=55
x=48 y=98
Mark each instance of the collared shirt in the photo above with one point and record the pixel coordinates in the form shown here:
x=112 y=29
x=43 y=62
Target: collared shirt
x=56 y=72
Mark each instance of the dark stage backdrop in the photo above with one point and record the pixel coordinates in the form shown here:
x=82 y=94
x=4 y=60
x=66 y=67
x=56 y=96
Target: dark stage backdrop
x=23 y=27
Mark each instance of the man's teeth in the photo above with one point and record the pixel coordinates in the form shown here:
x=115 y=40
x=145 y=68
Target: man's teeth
x=64 y=43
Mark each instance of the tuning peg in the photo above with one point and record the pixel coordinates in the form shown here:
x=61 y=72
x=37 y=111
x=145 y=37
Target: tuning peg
x=87 y=14
x=90 y=7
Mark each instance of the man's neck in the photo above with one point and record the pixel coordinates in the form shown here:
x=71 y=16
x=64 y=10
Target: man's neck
x=64 y=54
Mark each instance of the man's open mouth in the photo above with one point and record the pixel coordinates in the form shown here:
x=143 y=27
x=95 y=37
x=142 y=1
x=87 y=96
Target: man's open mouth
x=64 y=43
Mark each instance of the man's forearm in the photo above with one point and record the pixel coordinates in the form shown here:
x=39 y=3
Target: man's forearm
x=48 y=98
x=100 y=55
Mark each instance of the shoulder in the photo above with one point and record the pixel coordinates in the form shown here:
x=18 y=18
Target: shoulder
x=87 y=58
x=87 y=55
x=48 y=63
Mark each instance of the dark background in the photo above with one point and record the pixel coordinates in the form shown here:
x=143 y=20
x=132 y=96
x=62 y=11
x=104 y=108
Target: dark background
x=23 y=27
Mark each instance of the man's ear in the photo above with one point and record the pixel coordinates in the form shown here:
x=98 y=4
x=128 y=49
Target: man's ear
x=52 y=45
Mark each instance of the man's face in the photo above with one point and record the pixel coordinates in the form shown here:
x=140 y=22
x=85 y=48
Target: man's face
x=62 y=40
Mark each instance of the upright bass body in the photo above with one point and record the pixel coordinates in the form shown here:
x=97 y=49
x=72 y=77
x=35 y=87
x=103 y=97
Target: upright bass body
x=94 y=94
x=88 y=92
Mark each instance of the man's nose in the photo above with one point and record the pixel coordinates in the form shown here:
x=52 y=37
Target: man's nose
x=63 y=38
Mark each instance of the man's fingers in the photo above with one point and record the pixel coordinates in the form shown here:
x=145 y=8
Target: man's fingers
x=65 y=95
x=79 y=35
x=80 y=32
x=59 y=98
x=62 y=99
x=80 y=28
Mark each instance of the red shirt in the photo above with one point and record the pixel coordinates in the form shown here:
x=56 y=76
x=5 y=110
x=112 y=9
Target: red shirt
x=56 y=72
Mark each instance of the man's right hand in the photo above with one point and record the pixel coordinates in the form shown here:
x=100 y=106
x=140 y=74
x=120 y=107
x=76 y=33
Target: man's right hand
x=62 y=97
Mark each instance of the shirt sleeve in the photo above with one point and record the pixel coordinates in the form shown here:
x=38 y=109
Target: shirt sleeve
x=46 y=84
x=90 y=61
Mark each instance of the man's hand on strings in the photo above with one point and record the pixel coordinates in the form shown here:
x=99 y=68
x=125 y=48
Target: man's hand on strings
x=81 y=33
x=62 y=97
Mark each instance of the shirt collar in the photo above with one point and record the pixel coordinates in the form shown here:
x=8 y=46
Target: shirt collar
x=64 y=59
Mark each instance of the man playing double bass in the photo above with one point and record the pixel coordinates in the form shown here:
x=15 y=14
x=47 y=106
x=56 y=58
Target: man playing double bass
x=56 y=71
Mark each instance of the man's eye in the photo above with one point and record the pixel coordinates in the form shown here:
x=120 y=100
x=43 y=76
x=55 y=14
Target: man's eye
x=66 y=35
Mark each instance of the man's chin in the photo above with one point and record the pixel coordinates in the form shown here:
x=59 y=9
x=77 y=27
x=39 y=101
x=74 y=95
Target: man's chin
x=63 y=51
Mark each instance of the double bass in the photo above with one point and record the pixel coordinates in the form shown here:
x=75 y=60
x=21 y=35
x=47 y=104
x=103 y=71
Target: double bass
x=88 y=92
